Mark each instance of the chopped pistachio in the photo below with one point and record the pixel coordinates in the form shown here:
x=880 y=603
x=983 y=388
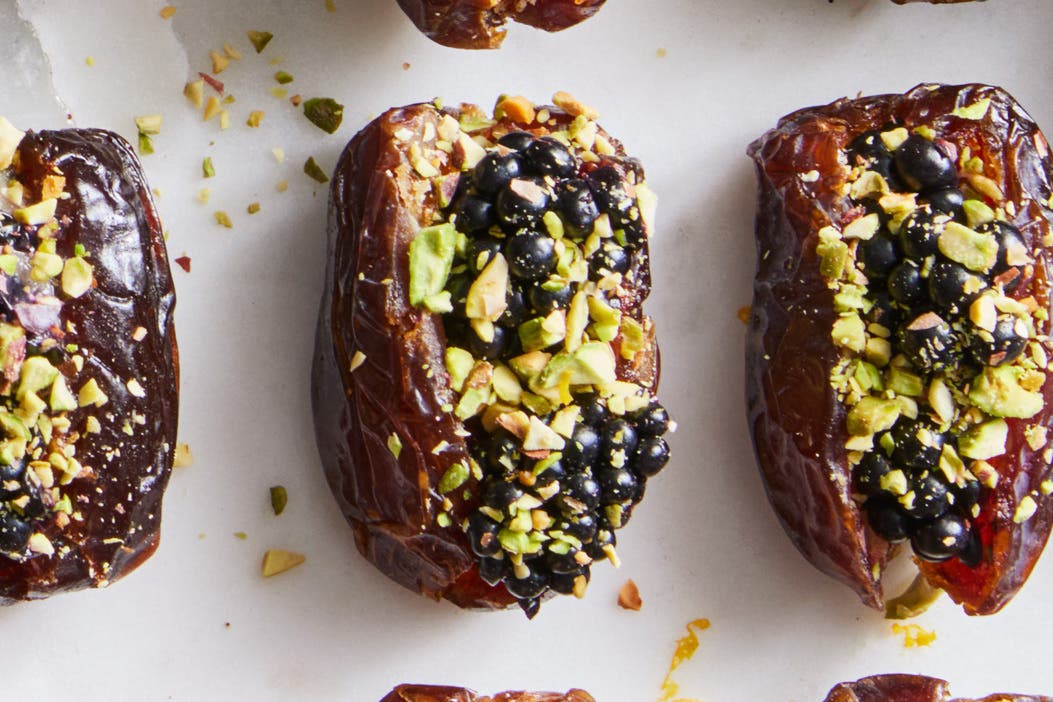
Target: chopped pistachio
x=279 y=499
x=324 y=113
x=277 y=561
x=255 y=117
x=259 y=40
x=314 y=171
x=149 y=124
x=454 y=477
x=223 y=219
x=208 y=170
x=283 y=77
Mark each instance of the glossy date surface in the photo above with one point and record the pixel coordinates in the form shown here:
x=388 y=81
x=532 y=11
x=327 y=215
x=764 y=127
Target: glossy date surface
x=435 y=693
x=401 y=389
x=911 y=688
x=798 y=426
x=478 y=24
x=110 y=213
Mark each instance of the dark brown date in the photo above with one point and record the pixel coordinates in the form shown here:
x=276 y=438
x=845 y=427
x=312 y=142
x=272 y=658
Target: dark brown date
x=434 y=693
x=381 y=392
x=910 y=688
x=96 y=519
x=478 y=24
x=796 y=419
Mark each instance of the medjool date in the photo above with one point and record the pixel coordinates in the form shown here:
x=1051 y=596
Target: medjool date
x=470 y=24
x=88 y=363
x=437 y=693
x=911 y=688
x=468 y=447
x=948 y=385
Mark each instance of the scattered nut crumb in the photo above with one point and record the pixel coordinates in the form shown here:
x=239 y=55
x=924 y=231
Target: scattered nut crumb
x=629 y=596
x=259 y=39
x=282 y=186
x=572 y=106
x=406 y=66
x=279 y=154
x=231 y=52
x=204 y=195
x=277 y=561
x=223 y=219
x=661 y=53
x=241 y=536
x=253 y=208
x=89 y=61
x=184 y=263
x=296 y=100
x=219 y=62
x=167 y=12
x=744 y=314
x=183 y=457
x=279 y=499
x=255 y=117
x=195 y=93
x=913 y=635
x=330 y=5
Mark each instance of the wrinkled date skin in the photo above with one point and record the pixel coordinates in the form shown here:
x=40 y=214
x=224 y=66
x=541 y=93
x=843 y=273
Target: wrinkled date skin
x=911 y=688
x=433 y=693
x=477 y=24
x=798 y=426
x=377 y=205
x=111 y=214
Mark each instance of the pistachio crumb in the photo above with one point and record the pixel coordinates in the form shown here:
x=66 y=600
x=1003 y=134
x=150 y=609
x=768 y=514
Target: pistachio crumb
x=219 y=62
x=324 y=113
x=283 y=77
x=259 y=40
x=183 y=458
x=223 y=219
x=282 y=186
x=279 y=154
x=253 y=208
x=356 y=361
x=395 y=445
x=278 y=560
x=314 y=171
x=629 y=596
x=168 y=11
x=1025 y=510
x=279 y=499
x=208 y=170
x=255 y=117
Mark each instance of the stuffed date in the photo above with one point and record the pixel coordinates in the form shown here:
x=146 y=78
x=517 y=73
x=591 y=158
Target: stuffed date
x=911 y=688
x=898 y=344
x=88 y=397
x=484 y=378
x=471 y=24
x=435 y=693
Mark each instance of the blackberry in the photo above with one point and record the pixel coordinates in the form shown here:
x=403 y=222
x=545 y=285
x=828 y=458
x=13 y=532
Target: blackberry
x=611 y=258
x=492 y=570
x=653 y=420
x=920 y=232
x=651 y=456
x=946 y=200
x=494 y=171
x=501 y=495
x=482 y=535
x=14 y=533
x=517 y=141
x=583 y=448
x=878 y=255
x=952 y=287
x=576 y=206
x=593 y=410
x=1003 y=345
x=564 y=583
x=940 y=539
x=866 y=478
x=922 y=165
x=918 y=444
x=531 y=255
x=473 y=214
x=618 y=435
x=533 y=585
x=546 y=297
x=930 y=497
x=580 y=494
x=618 y=485
x=929 y=343
x=905 y=284
x=887 y=519
x=493 y=349
x=481 y=251
x=548 y=156
x=522 y=203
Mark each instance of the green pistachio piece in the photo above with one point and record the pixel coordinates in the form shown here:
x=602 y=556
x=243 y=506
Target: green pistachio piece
x=37 y=374
x=324 y=113
x=314 y=171
x=487 y=297
x=13 y=427
x=833 y=258
x=540 y=437
x=849 y=332
x=430 y=259
x=506 y=385
x=61 y=400
x=633 y=338
x=984 y=441
x=977 y=251
x=529 y=365
x=279 y=499
x=472 y=402
x=592 y=364
x=77 y=275
x=997 y=391
x=647 y=201
x=872 y=415
x=8 y=263
x=974 y=111
x=863 y=228
x=259 y=39
x=868 y=377
x=903 y=382
x=45 y=266
x=977 y=213
x=454 y=477
x=542 y=332
x=91 y=394
x=577 y=320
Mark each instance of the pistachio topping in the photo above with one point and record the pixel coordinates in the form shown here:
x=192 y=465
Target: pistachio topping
x=531 y=260
x=938 y=335
x=48 y=396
